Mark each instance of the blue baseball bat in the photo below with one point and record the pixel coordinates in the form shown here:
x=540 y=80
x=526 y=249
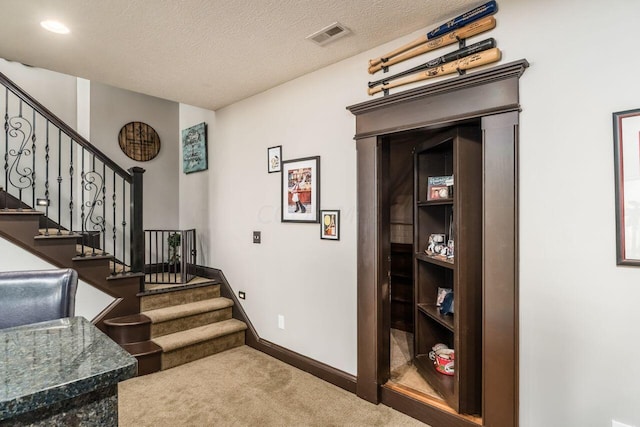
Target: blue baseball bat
x=489 y=8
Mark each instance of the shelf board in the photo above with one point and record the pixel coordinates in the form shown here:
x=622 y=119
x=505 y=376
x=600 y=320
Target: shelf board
x=437 y=202
x=432 y=311
x=433 y=260
x=401 y=300
x=443 y=384
x=397 y=275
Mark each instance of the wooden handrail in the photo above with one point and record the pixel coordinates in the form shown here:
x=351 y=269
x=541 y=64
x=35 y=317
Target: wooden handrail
x=71 y=133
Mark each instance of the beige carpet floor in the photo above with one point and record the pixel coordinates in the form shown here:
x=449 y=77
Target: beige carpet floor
x=244 y=387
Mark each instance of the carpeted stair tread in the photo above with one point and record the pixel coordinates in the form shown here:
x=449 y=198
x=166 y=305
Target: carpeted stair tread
x=177 y=311
x=200 y=334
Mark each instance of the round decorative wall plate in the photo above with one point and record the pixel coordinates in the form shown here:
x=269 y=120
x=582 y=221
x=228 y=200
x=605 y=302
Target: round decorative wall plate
x=139 y=141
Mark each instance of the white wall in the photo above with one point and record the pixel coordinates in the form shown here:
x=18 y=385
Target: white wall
x=89 y=301
x=112 y=108
x=311 y=282
x=194 y=187
x=56 y=91
x=578 y=316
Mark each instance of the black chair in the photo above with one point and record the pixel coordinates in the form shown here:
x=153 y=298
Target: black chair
x=36 y=296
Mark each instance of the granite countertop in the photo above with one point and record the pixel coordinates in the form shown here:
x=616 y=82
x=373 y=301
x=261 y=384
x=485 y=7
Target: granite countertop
x=44 y=363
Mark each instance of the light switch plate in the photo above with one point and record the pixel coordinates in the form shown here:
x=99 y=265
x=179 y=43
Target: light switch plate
x=257 y=237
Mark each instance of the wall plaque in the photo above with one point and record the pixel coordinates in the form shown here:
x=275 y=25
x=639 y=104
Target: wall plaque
x=139 y=141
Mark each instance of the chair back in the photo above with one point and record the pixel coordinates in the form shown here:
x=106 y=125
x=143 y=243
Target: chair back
x=36 y=296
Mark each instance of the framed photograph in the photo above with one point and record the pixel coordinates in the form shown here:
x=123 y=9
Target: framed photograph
x=300 y=190
x=330 y=224
x=274 y=159
x=439 y=187
x=626 y=137
x=194 y=148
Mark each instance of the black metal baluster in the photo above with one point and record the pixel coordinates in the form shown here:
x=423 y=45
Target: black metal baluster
x=93 y=206
x=6 y=147
x=59 y=181
x=156 y=263
x=82 y=189
x=19 y=154
x=104 y=209
x=166 y=272
x=46 y=180
x=71 y=186
x=113 y=197
x=124 y=225
x=33 y=170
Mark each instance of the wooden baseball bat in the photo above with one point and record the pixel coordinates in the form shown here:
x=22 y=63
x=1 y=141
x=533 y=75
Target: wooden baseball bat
x=466 y=18
x=449 y=57
x=466 y=63
x=477 y=27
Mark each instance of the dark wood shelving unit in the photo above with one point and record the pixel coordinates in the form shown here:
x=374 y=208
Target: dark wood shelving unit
x=446 y=263
x=401 y=280
x=435 y=202
x=444 y=384
x=458 y=152
x=432 y=311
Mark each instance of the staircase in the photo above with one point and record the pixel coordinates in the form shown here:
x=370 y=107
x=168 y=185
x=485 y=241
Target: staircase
x=64 y=201
x=177 y=325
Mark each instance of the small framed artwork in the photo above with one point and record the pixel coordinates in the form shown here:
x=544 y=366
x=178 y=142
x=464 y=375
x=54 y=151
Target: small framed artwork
x=626 y=137
x=194 y=148
x=274 y=159
x=330 y=224
x=300 y=191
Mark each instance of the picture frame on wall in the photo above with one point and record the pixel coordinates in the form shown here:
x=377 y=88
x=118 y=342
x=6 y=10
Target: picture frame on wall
x=626 y=137
x=274 y=159
x=194 y=148
x=330 y=224
x=300 y=190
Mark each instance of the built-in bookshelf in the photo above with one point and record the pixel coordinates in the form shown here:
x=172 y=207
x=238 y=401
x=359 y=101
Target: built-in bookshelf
x=448 y=255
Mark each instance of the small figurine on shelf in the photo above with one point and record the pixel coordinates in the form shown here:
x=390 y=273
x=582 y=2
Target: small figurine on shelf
x=450 y=249
x=435 y=245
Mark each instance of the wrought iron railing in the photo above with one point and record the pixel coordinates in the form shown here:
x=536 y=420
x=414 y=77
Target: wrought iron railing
x=170 y=256
x=49 y=167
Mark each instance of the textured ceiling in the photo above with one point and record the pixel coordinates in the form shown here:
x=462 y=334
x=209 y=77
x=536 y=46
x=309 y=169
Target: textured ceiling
x=208 y=53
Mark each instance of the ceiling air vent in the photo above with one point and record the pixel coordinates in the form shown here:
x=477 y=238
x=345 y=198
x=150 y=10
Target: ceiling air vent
x=328 y=34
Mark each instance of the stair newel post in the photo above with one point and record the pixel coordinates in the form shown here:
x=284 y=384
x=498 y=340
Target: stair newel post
x=46 y=179
x=137 y=229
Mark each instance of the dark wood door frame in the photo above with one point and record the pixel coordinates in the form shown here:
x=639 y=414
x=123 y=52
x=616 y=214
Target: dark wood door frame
x=492 y=96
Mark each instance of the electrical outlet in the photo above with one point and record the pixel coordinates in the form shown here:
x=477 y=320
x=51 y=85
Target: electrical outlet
x=280 y=321
x=615 y=423
x=241 y=295
x=257 y=237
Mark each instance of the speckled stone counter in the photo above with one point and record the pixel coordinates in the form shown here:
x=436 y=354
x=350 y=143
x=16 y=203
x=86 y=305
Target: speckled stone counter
x=61 y=373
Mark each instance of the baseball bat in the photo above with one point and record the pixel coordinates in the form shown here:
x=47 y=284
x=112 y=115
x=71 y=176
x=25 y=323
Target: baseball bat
x=466 y=18
x=449 y=57
x=477 y=27
x=466 y=63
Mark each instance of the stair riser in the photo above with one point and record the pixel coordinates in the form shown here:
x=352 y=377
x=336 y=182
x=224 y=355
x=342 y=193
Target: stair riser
x=149 y=363
x=198 y=351
x=152 y=302
x=125 y=334
x=184 y=323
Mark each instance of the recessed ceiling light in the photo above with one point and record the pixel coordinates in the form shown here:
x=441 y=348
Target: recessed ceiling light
x=55 y=26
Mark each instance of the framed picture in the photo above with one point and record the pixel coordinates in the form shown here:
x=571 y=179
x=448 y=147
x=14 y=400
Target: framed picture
x=626 y=137
x=300 y=190
x=274 y=159
x=194 y=148
x=330 y=224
